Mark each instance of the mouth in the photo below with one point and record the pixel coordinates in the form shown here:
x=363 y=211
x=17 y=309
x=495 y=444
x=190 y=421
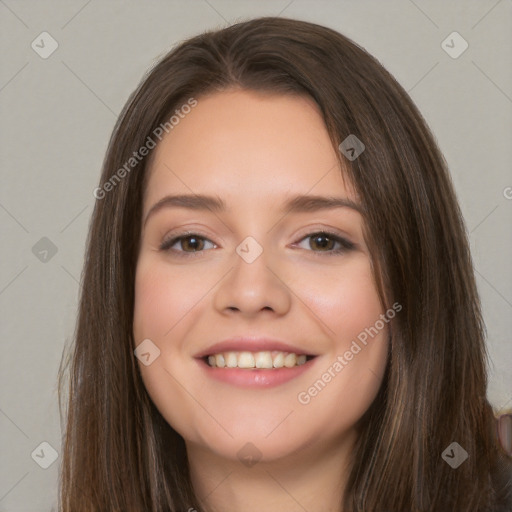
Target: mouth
x=261 y=360
x=254 y=362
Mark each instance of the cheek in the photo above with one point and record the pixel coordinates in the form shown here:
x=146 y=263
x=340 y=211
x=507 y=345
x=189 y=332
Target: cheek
x=344 y=298
x=351 y=372
x=164 y=296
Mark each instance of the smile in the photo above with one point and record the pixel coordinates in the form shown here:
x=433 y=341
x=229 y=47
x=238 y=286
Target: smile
x=244 y=372
x=269 y=360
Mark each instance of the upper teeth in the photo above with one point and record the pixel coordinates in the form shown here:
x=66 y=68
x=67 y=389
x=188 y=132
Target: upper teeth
x=265 y=359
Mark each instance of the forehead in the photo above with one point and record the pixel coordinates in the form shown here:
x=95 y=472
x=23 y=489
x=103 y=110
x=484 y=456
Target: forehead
x=246 y=146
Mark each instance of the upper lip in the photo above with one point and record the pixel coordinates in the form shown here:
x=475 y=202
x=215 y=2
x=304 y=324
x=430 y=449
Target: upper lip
x=251 y=344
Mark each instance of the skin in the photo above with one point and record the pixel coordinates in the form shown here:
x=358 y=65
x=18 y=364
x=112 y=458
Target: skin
x=254 y=151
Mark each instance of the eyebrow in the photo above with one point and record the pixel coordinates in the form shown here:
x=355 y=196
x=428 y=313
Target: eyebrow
x=295 y=204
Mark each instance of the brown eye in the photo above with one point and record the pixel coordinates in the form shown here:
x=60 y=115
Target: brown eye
x=321 y=241
x=188 y=243
x=327 y=243
x=192 y=242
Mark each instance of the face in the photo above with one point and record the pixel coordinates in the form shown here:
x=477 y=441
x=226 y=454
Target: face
x=262 y=306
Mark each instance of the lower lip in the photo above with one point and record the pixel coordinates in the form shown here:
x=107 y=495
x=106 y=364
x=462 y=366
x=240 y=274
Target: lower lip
x=257 y=378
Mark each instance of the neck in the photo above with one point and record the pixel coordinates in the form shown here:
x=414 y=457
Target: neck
x=313 y=478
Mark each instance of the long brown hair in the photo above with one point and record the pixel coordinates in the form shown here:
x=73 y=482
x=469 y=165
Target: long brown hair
x=120 y=454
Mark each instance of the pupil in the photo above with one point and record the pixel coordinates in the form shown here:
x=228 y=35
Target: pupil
x=193 y=244
x=325 y=244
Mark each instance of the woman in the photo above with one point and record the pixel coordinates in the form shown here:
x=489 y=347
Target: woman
x=278 y=309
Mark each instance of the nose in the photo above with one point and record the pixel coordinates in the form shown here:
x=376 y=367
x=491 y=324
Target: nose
x=253 y=287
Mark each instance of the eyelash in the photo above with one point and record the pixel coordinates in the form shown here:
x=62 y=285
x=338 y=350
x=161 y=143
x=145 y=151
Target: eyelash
x=346 y=245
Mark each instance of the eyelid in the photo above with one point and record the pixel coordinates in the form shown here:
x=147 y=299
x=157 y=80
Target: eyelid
x=312 y=230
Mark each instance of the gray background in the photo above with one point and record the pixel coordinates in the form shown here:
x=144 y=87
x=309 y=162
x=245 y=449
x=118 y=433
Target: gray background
x=57 y=115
